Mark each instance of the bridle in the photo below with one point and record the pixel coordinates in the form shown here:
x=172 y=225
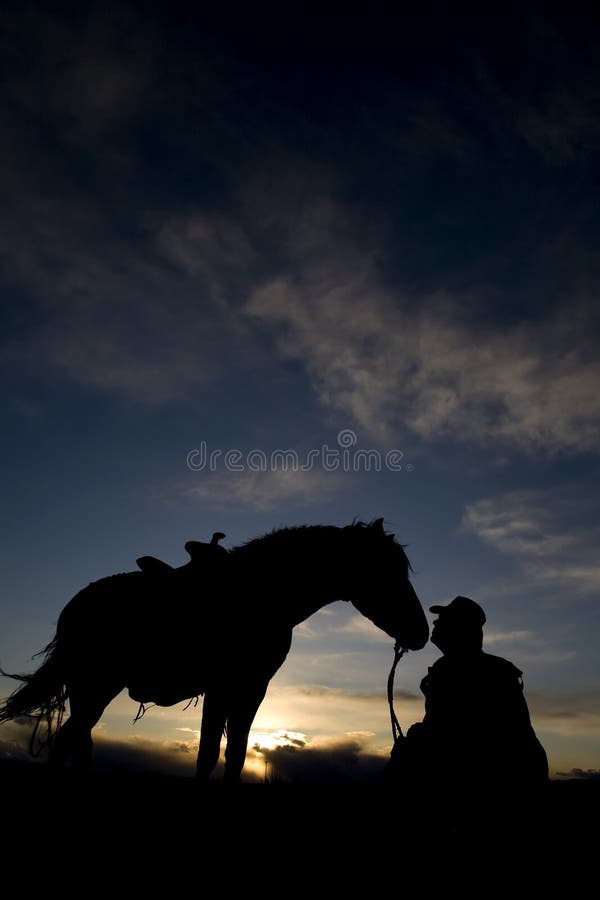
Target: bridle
x=396 y=729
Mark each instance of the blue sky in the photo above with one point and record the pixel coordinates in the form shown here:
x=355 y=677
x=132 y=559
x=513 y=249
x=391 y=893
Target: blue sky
x=261 y=231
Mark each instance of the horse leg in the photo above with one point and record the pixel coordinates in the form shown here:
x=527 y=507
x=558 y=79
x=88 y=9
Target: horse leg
x=74 y=740
x=239 y=721
x=214 y=715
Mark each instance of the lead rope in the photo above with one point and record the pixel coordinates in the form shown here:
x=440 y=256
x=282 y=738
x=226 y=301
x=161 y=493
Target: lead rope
x=396 y=729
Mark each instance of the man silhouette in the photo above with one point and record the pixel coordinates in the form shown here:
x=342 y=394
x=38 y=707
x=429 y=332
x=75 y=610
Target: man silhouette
x=476 y=732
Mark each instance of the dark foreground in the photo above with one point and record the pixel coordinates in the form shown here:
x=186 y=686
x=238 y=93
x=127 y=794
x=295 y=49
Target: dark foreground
x=139 y=827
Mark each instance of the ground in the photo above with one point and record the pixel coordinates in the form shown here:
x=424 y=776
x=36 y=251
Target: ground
x=136 y=825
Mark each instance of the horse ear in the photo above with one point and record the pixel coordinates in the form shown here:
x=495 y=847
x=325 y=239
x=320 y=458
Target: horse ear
x=378 y=525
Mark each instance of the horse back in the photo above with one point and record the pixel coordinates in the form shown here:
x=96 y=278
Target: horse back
x=102 y=606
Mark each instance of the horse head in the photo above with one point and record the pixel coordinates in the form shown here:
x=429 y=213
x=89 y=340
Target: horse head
x=379 y=585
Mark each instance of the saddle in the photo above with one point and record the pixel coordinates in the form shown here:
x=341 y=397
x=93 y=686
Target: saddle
x=199 y=552
x=165 y=670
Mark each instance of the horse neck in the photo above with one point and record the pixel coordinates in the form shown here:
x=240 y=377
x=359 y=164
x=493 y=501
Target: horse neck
x=297 y=572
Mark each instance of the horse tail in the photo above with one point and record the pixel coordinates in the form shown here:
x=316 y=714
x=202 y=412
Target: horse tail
x=41 y=697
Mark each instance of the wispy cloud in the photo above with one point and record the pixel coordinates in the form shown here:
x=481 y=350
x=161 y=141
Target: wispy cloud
x=107 y=308
x=316 y=626
x=393 y=361
x=566 y=713
x=530 y=649
x=563 y=126
x=508 y=637
x=204 y=244
x=263 y=490
x=155 y=307
x=319 y=709
x=154 y=315
x=538 y=528
x=343 y=696
x=103 y=314
x=360 y=627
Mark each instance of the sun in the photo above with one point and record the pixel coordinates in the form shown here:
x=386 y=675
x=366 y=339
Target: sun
x=271 y=740
x=260 y=762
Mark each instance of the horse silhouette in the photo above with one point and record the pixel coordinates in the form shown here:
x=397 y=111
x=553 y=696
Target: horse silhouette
x=219 y=626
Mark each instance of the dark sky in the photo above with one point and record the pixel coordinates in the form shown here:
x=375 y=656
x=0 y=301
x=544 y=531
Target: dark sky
x=290 y=227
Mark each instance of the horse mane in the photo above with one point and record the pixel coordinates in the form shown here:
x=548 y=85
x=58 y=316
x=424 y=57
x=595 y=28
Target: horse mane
x=277 y=536
x=297 y=535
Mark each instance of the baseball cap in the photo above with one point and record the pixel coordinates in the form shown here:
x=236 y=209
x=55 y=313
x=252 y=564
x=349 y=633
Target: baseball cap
x=461 y=608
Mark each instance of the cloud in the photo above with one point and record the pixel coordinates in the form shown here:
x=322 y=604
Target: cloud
x=14 y=740
x=334 y=760
x=317 y=708
x=263 y=490
x=543 y=531
x=261 y=740
x=562 y=127
x=588 y=774
x=391 y=361
x=360 y=627
x=532 y=648
x=291 y=756
x=396 y=361
x=102 y=315
x=508 y=637
x=340 y=695
x=105 y=313
x=134 y=754
x=155 y=306
x=576 y=713
x=298 y=756
x=144 y=755
x=204 y=244
x=107 y=309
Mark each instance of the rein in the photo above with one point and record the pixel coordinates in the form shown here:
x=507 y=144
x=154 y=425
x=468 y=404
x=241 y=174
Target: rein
x=396 y=729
